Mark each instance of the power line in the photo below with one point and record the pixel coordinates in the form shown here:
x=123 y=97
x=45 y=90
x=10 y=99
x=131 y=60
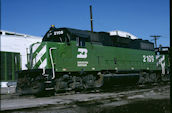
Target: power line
x=155 y=38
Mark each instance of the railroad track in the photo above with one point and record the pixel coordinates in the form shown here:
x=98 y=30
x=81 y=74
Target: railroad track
x=65 y=100
x=113 y=89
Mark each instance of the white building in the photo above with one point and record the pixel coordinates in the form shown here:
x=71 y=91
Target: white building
x=16 y=42
x=11 y=44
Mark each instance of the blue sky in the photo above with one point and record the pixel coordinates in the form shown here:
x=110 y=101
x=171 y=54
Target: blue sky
x=139 y=17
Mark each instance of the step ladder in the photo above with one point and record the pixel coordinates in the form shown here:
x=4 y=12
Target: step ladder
x=48 y=83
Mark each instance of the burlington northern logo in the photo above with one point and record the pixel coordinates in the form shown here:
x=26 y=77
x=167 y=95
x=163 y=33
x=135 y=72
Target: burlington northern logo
x=82 y=53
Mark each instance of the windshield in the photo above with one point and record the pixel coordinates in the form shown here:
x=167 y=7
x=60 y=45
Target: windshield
x=55 y=36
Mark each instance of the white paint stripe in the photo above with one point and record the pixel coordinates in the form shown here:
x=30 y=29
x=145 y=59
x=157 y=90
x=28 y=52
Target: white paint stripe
x=163 y=68
x=39 y=55
x=161 y=61
x=43 y=64
x=157 y=56
x=35 y=47
x=163 y=64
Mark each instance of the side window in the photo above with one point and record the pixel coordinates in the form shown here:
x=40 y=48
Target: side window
x=80 y=42
x=68 y=39
x=77 y=41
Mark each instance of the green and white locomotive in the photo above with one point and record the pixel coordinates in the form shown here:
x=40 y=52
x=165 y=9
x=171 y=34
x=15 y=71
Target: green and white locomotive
x=71 y=59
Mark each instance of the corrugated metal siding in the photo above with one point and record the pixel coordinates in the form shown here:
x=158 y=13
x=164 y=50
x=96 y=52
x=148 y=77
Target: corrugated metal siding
x=10 y=63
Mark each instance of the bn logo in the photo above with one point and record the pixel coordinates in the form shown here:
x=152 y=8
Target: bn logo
x=82 y=53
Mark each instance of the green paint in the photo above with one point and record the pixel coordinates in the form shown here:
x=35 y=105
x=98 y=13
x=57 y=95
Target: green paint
x=98 y=58
x=37 y=50
x=5 y=71
x=13 y=64
x=39 y=62
x=6 y=66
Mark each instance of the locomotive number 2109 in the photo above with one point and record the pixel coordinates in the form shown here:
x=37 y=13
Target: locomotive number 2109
x=148 y=58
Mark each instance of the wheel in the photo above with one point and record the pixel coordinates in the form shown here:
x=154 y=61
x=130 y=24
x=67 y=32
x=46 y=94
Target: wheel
x=89 y=81
x=99 y=80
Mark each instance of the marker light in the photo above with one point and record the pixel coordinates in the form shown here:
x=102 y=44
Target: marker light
x=52 y=25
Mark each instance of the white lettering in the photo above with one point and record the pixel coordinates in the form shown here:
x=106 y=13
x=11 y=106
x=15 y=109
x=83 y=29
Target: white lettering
x=58 y=32
x=144 y=58
x=82 y=63
x=148 y=58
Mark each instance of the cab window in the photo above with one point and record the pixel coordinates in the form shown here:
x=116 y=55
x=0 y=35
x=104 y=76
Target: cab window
x=80 y=42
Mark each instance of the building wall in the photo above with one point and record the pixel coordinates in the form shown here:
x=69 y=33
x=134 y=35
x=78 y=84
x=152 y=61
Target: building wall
x=10 y=63
x=14 y=44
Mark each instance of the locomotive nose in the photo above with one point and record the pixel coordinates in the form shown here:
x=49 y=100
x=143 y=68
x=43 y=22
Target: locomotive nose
x=38 y=56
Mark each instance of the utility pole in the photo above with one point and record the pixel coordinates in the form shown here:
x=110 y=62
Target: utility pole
x=155 y=38
x=91 y=18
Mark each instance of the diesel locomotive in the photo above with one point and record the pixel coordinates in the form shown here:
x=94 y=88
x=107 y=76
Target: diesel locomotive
x=72 y=59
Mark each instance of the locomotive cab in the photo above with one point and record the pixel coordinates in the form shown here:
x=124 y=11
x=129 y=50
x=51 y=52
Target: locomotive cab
x=66 y=35
x=57 y=35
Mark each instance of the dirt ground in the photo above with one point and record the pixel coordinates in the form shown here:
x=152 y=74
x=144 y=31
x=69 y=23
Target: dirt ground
x=154 y=99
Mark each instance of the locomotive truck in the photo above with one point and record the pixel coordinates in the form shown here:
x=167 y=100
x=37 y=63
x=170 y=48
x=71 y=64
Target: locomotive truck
x=72 y=59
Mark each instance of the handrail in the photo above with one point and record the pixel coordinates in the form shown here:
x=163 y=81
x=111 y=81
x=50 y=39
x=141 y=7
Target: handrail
x=52 y=63
x=43 y=67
